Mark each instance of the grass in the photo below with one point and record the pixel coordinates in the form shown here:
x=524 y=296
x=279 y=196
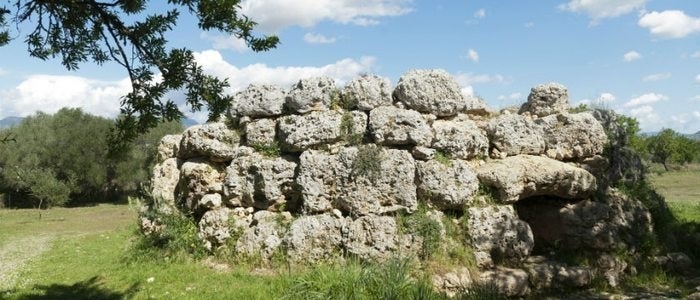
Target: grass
x=94 y=254
x=681 y=188
x=92 y=257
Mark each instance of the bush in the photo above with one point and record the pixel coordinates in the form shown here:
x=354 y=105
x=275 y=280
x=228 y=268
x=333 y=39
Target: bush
x=427 y=228
x=268 y=150
x=347 y=130
x=368 y=162
x=176 y=238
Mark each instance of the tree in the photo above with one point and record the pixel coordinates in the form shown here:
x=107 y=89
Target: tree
x=686 y=150
x=63 y=159
x=661 y=146
x=633 y=139
x=80 y=31
x=669 y=146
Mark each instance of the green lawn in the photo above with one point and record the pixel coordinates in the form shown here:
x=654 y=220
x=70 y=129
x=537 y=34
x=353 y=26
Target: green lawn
x=681 y=188
x=89 y=256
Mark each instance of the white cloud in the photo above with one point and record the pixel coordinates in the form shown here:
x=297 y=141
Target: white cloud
x=631 y=56
x=273 y=15
x=468 y=91
x=696 y=98
x=3 y=72
x=670 y=24
x=606 y=98
x=645 y=99
x=480 y=14
x=697 y=79
x=49 y=93
x=695 y=54
x=513 y=96
x=657 y=77
x=229 y=42
x=240 y=77
x=646 y=116
x=680 y=119
x=602 y=100
x=313 y=38
x=601 y=9
x=473 y=55
x=696 y=114
x=466 y=79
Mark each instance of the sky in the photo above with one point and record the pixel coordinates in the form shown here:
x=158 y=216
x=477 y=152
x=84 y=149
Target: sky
x=638 y=57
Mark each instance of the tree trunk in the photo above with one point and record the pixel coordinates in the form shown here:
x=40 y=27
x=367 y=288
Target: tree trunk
x=665 y=166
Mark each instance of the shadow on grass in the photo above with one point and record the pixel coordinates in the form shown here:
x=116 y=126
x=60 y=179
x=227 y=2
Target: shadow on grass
x=87 y=289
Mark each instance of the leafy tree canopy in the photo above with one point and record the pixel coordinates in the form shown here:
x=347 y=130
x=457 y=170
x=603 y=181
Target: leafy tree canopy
x=62 y=158
x=669 y=146
x=79 y=31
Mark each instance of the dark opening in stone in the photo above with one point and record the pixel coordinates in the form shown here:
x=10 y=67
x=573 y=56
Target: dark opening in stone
x=548 y=225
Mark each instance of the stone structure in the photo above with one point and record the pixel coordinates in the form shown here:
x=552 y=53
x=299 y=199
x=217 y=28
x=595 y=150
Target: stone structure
x=318 y=172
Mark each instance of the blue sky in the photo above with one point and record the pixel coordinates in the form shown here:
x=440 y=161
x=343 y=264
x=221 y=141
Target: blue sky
x=639 y=57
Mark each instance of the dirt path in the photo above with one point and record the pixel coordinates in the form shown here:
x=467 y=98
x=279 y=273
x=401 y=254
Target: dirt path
x=16 y=253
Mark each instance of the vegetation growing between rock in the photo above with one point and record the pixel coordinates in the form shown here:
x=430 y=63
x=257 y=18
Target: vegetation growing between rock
x=368 y=162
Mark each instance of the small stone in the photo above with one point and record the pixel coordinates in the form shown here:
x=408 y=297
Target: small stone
x=423 y=153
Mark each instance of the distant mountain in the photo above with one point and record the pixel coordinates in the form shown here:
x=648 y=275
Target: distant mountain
x=695 y=136
x=10 y=121
x=187 y=122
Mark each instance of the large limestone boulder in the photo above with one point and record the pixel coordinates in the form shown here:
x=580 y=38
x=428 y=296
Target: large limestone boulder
x=164 y=180
x=168 y=146
x=573 y=136
x=461 y=139
x=378 y=238
x=367 y=92
x=507 y=281
x=311 y=94
x=453 y=282
x=546 y=99
x=253 y=180
x=395 y=126
x=430 y=91
x=446 y=186
x=607 y=223
x=212 y=140
x=616 y=222
x=315 y=238
x=261 y=132
x=216 y=225
x=497 y=233
x=300 y=132
x=522 y=176
x=544 y=274
x=259 y=100
x=200 y=177
x=512 y=134
x=359 y=181
x=264 y=236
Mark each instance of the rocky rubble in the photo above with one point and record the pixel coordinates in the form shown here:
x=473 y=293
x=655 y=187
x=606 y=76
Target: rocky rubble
x=318 y=172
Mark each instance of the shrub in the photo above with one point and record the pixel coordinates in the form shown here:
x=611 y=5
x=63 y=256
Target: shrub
x=427 y=228
x=368 y=162
x=340 y=100
x=268 y=150
x=347 y=130
x=443 y=157
x=177 y=236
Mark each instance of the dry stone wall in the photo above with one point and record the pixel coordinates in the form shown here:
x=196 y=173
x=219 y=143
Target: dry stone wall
x=319 y=172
